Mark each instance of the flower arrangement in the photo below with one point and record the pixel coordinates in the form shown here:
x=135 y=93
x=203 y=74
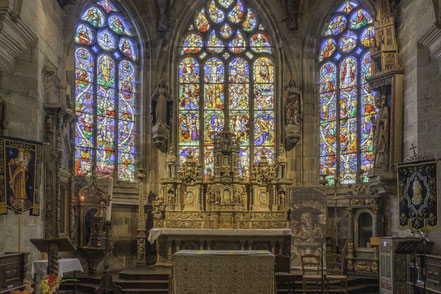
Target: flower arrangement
x=49 y=285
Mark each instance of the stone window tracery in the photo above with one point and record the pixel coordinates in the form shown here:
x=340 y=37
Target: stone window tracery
x=106 y=56
x=347 y=104
x=226 y=80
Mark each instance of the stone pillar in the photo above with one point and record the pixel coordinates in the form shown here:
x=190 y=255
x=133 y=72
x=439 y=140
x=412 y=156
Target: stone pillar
x=141 y=231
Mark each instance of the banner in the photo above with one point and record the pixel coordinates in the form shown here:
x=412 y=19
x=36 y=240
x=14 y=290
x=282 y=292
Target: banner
x=20 y=166
x=418 y=195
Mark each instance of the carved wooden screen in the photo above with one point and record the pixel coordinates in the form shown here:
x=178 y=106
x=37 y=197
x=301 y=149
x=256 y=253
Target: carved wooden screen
x=226 y=80
x=106 y=55
x=347 y=106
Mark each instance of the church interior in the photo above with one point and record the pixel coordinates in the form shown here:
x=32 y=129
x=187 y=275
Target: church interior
x=220 y=146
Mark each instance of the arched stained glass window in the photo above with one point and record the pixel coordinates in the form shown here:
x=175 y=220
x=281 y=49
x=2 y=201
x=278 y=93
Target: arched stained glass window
x=106 y=56
x=226 y=80
x=347 y=107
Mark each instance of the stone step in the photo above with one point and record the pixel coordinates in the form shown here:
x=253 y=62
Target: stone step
x=142 y=284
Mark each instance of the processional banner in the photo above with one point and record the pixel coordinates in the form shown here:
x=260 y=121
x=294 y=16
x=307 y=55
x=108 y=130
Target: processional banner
x=20 y=166
x=418 y=195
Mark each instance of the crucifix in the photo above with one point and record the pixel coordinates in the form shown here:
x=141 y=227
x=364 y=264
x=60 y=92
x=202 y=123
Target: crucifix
x=414 y=156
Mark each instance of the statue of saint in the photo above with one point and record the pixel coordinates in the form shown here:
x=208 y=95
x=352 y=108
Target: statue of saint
x=159 y=103
x=293 y=100
x=18 y=174
x=382 y=134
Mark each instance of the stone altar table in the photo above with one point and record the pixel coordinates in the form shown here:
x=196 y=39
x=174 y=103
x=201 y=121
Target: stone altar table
x=170 y=240
x=206 y=271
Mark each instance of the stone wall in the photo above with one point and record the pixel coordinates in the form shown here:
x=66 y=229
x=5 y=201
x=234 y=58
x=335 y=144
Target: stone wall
x=22 y=87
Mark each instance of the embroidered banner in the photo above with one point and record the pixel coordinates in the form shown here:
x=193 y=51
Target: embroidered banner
x=418 y=195
x=20 y=165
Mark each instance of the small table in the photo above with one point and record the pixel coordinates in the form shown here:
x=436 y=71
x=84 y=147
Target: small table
x=65 y=265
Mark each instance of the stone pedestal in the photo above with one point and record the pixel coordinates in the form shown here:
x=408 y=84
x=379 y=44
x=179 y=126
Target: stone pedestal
x=160 y=134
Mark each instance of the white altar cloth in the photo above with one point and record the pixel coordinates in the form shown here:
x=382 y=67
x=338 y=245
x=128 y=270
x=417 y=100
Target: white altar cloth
x=156 y=232
x=65 y=265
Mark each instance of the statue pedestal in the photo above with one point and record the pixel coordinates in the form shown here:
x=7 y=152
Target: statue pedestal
x=293 y=134
x=170 y=241
x=160 y=134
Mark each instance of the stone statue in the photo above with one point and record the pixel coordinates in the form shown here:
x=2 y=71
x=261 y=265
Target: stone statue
x=293 y=98
x=292 y=13
x=382 y=133
x=159 y=103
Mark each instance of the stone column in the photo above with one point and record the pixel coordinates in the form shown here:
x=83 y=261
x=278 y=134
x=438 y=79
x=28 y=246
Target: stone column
x=141 y=231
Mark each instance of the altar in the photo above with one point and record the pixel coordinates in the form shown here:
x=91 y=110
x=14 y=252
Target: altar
x=231 y=210
x=172 y=240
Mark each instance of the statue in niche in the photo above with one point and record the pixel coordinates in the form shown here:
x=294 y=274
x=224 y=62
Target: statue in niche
x=293 y=118
x=292 y=13
x=293 y=104
x=160 y=104
x=382 y=133
x=161 y=110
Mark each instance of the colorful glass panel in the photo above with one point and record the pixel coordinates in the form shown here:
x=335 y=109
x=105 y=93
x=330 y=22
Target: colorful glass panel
x=239 y=71
x=347 y=7
x=367 y=101
x=237 y=13
x=118 y=24
x=359 y=19
x=107 y=6
x=348 y=136
x=367 y=133
x=84 y=161
x=250 y=23
x=214 y=96
x=225 y=3
x=328 y=78
x=365 y=67
x=348 y=168
x=106 y=71
x=127 y=48
x=367 y=38
x=348 y=103
x=240 y=125
x=188 y=71
x=347 y=42
x=201 y=22
x=107 y=40
x=328 y=138
x=328 y=167
x=215 y=13
x=214 y=71
x=94 y=16
x=226 y=31
x=263 y=96
x=105 y=108
x=264 y=126
x=336 y=26
x=244 y=161
x=327 y=49
x=348 y=73
x=259 y=43
x=214 y=124
x=328 y=106
x=214 y=44
x=188 y=128
x=185 y=152
x=84 y=35
x=263 y=71
x=239 y=96
x=237 y=45
x=192 y=44
x=189 y=97
x=208 y=162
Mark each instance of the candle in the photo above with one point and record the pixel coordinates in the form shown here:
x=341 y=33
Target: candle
x=109 y=204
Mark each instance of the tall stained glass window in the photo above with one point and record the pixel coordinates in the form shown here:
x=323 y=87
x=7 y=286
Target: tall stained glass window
x=106 y=55
x=347 y=106
x=226 y=80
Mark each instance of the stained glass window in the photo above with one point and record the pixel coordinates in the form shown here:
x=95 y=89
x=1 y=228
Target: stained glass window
x=105 y=93
x=347 y=108
x=226 y=80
